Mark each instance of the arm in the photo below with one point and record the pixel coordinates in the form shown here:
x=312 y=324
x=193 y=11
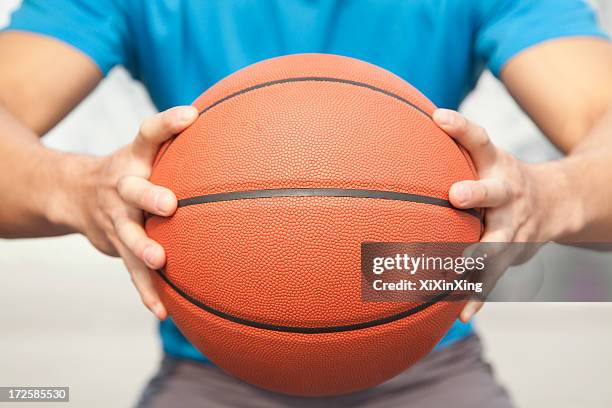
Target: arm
x=35 y=94
x=566 y=88
x=49 y=192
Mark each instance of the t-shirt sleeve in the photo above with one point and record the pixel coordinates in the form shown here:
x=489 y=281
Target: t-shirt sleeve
x=97 y=28
x=507 y=27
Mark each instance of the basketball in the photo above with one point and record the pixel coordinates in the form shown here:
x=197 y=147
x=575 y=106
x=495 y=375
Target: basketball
x=291 y=165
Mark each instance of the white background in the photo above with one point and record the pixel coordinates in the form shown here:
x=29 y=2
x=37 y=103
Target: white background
x=69 y=316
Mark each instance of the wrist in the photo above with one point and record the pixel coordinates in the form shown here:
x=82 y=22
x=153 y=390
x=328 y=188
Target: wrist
x=559 y=204
x=71 y=187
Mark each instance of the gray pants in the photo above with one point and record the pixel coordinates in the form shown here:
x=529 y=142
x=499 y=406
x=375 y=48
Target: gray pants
x=454 y=376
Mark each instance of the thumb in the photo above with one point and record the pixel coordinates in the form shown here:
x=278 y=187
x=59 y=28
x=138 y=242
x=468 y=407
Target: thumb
x=158 y=128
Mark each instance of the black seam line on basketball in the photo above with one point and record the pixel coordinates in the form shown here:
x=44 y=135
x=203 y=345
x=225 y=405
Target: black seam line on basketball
x=303 y=329
x=303 y=79
x=162 y=153
x=315 y=79
x=322 y=192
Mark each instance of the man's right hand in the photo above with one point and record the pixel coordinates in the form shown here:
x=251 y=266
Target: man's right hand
x=47 y=192
x=116 y=194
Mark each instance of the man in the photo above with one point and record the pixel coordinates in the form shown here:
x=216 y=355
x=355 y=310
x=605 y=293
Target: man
x=550 y=54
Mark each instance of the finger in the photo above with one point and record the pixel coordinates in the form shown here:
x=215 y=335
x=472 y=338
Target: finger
x=480 y=193
x=160 y=127
x=469 y=310
x=486 y=249
x=472 y=137
x=526 y=251
x=141 y=193
x=133 y=236
x=497 y=240
x=141 y=278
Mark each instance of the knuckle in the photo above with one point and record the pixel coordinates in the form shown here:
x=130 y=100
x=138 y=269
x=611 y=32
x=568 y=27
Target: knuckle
x=505 y=236
x=147 y=301
x=168 y=119
x=462 y=123
x=123 y=185
x=143 y=244
x=109 y=231
x=133 y=278
x=482 y=191
x=139 y=249
x=481 y=138
x=145 y=127
x=122 y=230
x=140 y=196
x=508 y=190
x=497 y=237
x=523 y=235
x=114 y=215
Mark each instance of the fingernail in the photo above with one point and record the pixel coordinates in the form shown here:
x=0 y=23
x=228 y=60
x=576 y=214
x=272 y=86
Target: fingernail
x=158 y=310
x=163 y=203
x=468 y=313
x=475 y=306
x=463 y=193
x=188 y=114
x=151 y=255
x=444 y=117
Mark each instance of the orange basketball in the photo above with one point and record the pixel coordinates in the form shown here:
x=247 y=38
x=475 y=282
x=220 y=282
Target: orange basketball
x=291 y=165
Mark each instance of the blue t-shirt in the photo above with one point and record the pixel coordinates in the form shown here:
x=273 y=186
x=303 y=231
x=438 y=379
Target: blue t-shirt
x=177 y=49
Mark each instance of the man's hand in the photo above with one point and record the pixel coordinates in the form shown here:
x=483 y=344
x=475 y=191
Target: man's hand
x=118 y=191
x=50 y=193
x=516 y=196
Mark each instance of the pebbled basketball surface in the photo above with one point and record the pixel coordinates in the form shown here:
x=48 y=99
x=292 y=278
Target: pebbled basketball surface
x=294 y=162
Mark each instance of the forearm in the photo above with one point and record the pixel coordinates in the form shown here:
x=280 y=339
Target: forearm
x=579 y=188
x=41 y=187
